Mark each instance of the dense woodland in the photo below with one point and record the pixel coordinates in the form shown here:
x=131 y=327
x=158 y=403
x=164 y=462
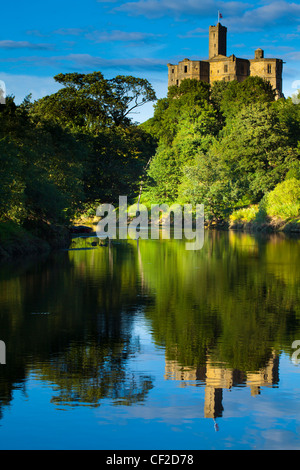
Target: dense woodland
x=227 y=146
x=231 y=146
x=66 y=152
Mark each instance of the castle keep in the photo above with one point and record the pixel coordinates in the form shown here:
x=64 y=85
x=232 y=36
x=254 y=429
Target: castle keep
x=220 y=67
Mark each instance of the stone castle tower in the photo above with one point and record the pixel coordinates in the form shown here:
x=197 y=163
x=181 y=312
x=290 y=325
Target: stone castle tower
x=220 y=67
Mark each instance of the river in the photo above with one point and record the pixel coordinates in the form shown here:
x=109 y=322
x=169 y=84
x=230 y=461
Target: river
x=146 y=345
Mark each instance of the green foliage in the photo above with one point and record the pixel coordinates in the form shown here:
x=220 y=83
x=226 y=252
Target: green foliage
x=185 y=125
x=115 y=163
x=254 y=151
x=246 y=214
x=204 y=182
x=223 y=147
x=289 y=117
x=294 y=171
x=236 y=95
x=72 y=148
x=169 y=112
x=11 y=182
x=281 y=203
x=90 y=102
x=284 y=201
x=41 y=169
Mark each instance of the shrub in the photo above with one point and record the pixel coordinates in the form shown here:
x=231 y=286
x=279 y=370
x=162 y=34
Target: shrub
x=284 y=201
x=246 y=214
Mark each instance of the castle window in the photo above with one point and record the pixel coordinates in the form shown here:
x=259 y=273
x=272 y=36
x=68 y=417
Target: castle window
x=185 y=69
x=172 y=70
x=225 y=68
x=269 y=68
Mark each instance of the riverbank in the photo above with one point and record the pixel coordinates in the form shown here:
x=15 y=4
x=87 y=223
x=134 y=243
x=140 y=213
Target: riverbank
x=271 y=225
x=16 y=241
x=261 y=225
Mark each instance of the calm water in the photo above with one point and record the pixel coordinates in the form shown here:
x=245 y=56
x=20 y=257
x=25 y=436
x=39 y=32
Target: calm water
x=151 y=346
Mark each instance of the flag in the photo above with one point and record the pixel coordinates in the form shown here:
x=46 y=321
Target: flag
x=220 y=15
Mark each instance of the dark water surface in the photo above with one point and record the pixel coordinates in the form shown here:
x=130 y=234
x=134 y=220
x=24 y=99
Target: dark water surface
x=150 y=346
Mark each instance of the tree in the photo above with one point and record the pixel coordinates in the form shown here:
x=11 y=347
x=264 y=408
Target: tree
x=11 y=182
x=224 y=146
x=255 y=149
x=128 y=94
x=115 y=163
x=206 y=182
x=251 y=155
x=41 y=167
x=168 y=112
x=195 y=131
x=288 y=114
x=237 y=95
x=90 y=102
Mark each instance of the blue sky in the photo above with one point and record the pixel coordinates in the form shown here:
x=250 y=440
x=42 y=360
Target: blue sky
x=41 y=39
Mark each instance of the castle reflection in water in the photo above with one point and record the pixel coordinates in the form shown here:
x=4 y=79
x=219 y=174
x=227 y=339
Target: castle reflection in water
x=215 y=378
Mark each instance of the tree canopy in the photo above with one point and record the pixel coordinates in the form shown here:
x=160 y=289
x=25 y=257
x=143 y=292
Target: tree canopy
x=224 y=145
x=75 y=147
x=91 y=102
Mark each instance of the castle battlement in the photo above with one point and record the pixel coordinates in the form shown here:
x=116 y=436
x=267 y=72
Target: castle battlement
x=221 y=67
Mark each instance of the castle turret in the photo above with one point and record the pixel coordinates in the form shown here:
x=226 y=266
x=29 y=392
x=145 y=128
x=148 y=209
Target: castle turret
x=217 y=41
x=259 y=54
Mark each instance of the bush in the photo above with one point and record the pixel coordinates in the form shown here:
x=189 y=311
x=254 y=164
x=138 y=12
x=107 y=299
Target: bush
x=246 y=214
x=284 y=201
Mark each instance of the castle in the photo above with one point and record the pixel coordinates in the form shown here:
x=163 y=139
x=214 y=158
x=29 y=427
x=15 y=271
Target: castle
x=220 y=67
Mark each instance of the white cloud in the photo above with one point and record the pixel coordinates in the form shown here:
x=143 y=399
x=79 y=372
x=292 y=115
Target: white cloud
x=22 y=85
x=195 y=33
x=9 y=44
x=89 y=61
x=159 y=8
x=238 y=15
x=69 y=31
x=274 y=14
x=117 y=35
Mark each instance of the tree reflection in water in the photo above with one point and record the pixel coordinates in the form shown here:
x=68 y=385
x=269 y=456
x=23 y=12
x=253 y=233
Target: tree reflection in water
x=223 y=315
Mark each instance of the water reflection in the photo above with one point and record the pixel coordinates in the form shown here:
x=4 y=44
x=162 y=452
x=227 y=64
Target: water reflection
x=223 y=315
x=217 y=378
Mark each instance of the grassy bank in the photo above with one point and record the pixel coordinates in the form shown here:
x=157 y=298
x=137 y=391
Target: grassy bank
x=16 y=241
x=279 y=210
x=267 y=225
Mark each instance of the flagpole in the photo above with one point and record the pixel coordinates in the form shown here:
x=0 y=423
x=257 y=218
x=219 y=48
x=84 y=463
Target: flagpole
x=218 y=16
